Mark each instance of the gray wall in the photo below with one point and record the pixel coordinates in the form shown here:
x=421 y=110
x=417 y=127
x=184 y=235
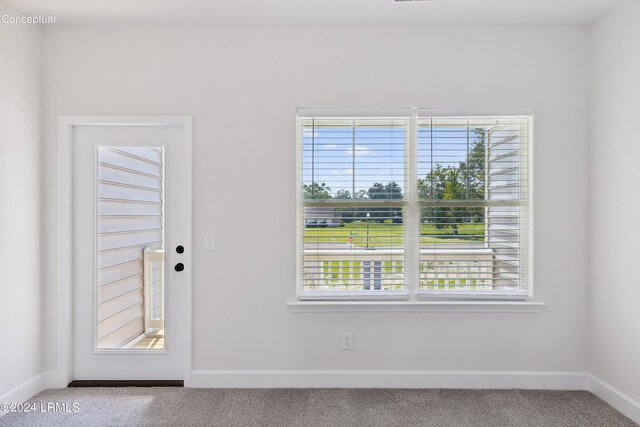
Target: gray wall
x=614 y=309
x=242 y=86
x=21 y=211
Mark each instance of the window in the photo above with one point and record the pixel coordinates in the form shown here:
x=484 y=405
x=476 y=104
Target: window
x=411 y=203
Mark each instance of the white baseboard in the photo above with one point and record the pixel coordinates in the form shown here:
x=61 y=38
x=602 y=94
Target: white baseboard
x=391 y=379
x=27 y=389
x=614 y=397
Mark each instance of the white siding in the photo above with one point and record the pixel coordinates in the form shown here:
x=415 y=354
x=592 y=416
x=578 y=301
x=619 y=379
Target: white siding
x=504 y=183
x=129 y=219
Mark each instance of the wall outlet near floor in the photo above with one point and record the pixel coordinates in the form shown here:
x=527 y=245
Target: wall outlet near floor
x=347 y=341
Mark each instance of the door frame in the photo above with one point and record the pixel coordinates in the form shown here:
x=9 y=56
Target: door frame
x=66 y=124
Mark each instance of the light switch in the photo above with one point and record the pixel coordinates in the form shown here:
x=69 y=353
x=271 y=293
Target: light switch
x=210 y=242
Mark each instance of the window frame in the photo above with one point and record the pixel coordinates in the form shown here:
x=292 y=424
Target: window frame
x=412 y=294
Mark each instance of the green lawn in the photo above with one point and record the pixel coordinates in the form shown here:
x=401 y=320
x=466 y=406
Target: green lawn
x=388 y=234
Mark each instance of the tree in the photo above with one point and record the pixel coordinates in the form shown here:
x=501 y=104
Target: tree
x=463 y=182
x=316 y=191
x=360 y=213
x=473 y=170
x=390 y=191
x=343 y=195
x=443 y=184
x=347 y=214
x=361 y=195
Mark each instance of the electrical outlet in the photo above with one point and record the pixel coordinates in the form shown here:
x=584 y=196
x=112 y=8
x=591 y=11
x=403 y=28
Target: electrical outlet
x=347 y=341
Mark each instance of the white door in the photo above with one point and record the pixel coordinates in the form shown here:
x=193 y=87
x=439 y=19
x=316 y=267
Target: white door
x=130 y=225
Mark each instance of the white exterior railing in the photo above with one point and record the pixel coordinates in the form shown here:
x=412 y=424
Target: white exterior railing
x=456 y=269
x=372 y=270
x=356 y=269
x=151 y=320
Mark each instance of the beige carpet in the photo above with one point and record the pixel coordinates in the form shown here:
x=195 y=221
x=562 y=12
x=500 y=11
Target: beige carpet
x=316 y=407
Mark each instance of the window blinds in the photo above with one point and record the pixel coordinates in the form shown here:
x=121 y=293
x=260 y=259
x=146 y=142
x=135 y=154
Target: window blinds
x=353 y=179
x=472 y=193
x=407 y=202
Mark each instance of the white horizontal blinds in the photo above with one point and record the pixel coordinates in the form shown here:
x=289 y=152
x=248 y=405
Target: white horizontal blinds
x=358 y=253
x=507 y=180
x=472 y=192
x=130 y=218
x=352 y=197
x=344 y=157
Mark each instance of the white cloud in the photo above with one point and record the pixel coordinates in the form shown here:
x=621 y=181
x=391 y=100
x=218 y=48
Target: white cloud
x=360 y=150
x=342 y=172
x=309 y=133
x=329 y=146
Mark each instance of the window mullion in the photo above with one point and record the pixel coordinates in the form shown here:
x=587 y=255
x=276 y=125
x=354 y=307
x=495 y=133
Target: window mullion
x=412 y=211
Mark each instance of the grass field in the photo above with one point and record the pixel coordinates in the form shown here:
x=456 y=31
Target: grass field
x=388 y=234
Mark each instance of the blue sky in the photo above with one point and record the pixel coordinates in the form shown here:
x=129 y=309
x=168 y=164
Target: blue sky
x=356 y=159
x=345 y=158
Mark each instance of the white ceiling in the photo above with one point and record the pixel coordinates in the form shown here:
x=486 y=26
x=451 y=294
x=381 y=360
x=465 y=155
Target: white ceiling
x=316 y=12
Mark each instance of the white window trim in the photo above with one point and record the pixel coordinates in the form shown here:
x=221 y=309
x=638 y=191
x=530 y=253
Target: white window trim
x=416 y=306
x=411 y=299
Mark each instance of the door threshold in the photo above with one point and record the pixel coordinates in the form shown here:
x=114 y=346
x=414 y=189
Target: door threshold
x=126 y=383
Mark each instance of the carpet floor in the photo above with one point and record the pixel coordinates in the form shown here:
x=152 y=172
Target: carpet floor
x=314 y=407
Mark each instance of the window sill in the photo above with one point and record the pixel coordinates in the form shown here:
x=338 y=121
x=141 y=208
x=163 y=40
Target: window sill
x=415 y=306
